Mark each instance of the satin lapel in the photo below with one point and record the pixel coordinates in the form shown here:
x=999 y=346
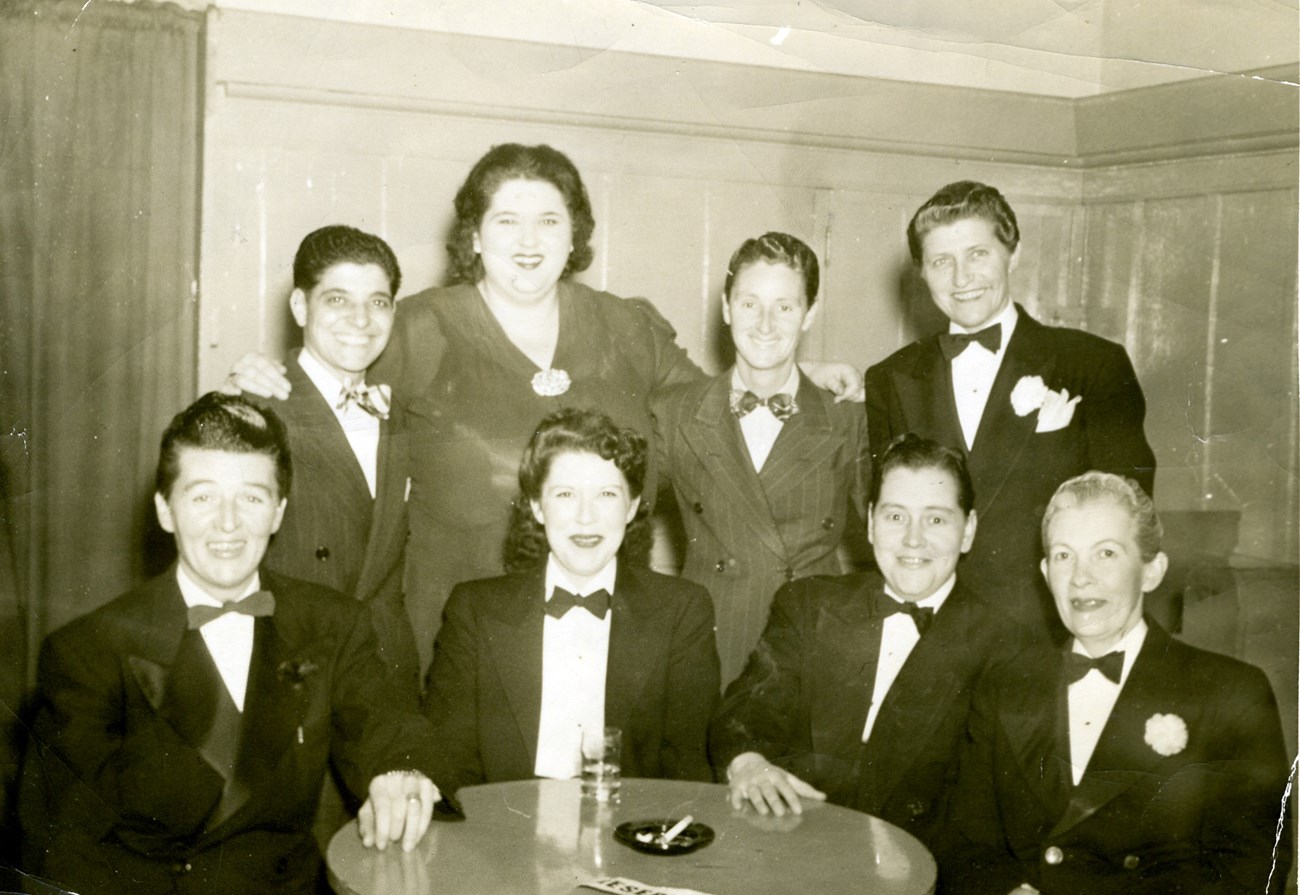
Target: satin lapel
x=844 y=671
x=1002 y=436
x=307 y=407
x=1035 y=724
x=1122 y=757
x=925 y=393
x=715 y=438
x=805 y=443
x=158 y=633
x=514 y=632
x=273 y=709
x=636 y=640
x=920 y=696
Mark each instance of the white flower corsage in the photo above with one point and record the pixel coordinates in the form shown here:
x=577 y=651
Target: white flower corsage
x=551 y=382
x=1166 y=734
x=1028 y=395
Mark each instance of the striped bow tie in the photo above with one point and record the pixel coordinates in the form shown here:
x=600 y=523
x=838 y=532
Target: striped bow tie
x=373 y=399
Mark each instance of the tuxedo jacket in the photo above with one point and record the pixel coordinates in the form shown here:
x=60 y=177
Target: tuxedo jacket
x=485 y=685
x=748 y=532
x=334 y=533
x=145 y=778
x=1014 y=469
x=1201 y=819
x=803 y=699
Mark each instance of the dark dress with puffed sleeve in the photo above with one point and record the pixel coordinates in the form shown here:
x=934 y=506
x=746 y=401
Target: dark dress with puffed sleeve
x=471 y=407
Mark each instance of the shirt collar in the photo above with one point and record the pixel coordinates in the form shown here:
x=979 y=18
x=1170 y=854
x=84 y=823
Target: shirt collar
x=935 y=600
x=326 y=382
x=194 y=595
x=557 y=577
x=1130 y=644
x=1010 y=314
x=791 y=386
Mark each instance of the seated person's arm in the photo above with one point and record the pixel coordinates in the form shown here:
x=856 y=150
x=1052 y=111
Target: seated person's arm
x=451 y=703
x=770 y=790
x=692 y=691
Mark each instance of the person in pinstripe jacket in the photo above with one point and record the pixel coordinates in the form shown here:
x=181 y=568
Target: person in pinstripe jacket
x=768 y=470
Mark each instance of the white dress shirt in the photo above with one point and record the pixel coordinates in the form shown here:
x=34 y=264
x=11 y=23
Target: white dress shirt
x=974 y=370
x=898 y=637
x=360 y=428
x=575 y=652
x=1093 y=697
x=229 y=638
x=759 y=426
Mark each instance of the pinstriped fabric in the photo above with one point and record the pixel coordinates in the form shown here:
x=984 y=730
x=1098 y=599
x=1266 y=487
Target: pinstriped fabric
x=750 y=532
x=334 y=533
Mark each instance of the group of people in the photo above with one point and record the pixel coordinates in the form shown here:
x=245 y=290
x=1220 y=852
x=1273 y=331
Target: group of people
x=413 y=558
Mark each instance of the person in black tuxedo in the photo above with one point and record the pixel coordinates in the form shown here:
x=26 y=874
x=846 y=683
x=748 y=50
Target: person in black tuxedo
x=184 y=728
x=859 y=687
x=1029 y=405
x=579 y=637
x=1127 y=762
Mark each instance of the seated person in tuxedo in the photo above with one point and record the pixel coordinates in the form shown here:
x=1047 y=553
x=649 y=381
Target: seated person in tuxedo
x=346 y=526
x=768 y=470
x=1127 y=762
x=184 y=728
x=859 y=688
x=581 y=637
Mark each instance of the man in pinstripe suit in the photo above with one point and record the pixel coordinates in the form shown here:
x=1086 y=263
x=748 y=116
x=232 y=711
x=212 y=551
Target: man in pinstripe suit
x=768 y=470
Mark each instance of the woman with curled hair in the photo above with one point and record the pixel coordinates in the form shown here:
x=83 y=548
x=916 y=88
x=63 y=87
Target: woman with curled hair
x=477 y=363
x=579 y=637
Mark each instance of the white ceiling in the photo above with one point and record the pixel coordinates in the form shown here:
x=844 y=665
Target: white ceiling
x=1069 y=48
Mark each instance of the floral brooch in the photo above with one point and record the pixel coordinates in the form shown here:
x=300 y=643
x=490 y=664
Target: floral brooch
x=551 y=382
x=295 y=673
x=1166 y=734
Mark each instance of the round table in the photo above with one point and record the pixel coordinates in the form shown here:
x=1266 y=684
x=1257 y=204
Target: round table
x=542 y=837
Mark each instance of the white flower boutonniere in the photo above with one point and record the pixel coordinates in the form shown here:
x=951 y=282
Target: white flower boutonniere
x=1028 y=395
x=551 y=382
x=1166 y=734
x=1055 y=409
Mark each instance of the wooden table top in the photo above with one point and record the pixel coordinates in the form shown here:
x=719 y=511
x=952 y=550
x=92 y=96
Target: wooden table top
x=539 y=837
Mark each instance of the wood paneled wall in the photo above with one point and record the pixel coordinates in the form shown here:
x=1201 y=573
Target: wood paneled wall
x=313 y=122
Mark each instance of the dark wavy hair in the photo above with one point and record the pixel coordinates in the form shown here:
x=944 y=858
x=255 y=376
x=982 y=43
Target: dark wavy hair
x=575 y=431
x=777 y=248
x=228 y=423
x=958 y=201
x=513 y=161
x=340 y=244
x=911 y=451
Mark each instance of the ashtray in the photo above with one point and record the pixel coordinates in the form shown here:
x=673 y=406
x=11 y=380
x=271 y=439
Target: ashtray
x=644 y=836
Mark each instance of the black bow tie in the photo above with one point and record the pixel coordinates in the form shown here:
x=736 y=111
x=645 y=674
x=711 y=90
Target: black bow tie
x=782 y=405
x=1078 y=665
x=561 y=601
x=258 y=604
x=953 y=344
x=922 y=616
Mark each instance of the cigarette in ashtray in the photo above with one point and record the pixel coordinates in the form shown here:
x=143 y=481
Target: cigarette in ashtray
x=676 y=828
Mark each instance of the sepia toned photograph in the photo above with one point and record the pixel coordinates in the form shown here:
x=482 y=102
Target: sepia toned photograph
x=647 y=447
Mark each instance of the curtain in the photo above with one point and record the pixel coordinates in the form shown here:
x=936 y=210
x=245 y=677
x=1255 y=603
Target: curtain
x=100 y=110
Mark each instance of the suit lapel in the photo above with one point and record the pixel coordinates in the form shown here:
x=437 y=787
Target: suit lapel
x=328 y=444
x=926 y=394
x=1037 y=728
x=1123 y=757
x=386 y=522
x=1002 y=436
x=515 y=635
x=715 y=438
x=635 y=639
x=845 y=671
x=803 y=446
